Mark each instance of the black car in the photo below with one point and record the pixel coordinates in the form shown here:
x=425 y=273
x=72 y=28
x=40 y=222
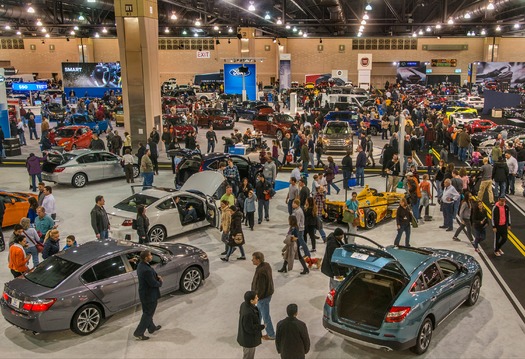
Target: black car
x=512 y=131
x=196 y=162
x=246 y=109
x=54 y=111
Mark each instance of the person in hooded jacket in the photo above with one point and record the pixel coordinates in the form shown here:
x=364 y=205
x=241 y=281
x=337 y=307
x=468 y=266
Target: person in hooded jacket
x=249 y=331
x=500 y=173
x=34 y=170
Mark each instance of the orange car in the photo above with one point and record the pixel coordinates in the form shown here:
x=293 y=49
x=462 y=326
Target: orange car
x=73 y=137
x=16 y=206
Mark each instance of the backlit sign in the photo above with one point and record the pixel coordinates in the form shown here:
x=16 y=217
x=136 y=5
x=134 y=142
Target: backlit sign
x=29 y=86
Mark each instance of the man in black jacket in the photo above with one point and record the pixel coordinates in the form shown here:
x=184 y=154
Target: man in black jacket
x=250 y=327
x=360 y=164
x=291 y=339
x=99 y=219
x=149 y=293
x=334 y=241
x=262 y=285
x=347 y=168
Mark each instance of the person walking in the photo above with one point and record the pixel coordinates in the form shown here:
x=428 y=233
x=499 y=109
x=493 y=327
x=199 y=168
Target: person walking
x=512 y=165
x=360 y=164
x=450 y=196
x=293 y=193
x=330 y=173
x=142 y=224
x=291 y=248
x=236 y=235
x=154 y=154
x=249 y=332
x=211 y=138
x=149 y=293
x=262 y=285
x=18 y=259
x=347 y=168
x=226 y=217
x=414 y=194
x=310 y=221
x=21 y=133
x=500 y=224
x=262 y=192
x=320 y=202
x=463 y=218
x=99 y=219
x=249 y=208
x=333 y=241
x=128 y=161
x=370 y=151
x=291 y=338
x=486 y=181
x=479 y=224
x=269 y=171
x=49 y=202
x=393 y=169
x=146 y=168
x=403 y=221
x=34 y=170
x=500 y=174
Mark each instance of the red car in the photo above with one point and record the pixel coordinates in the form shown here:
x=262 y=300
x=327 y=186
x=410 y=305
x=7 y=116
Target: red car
x=217 y=118
x=168 y=102
x=479 y=125
x=73 y=137
x=275 y=124
x=178 y=124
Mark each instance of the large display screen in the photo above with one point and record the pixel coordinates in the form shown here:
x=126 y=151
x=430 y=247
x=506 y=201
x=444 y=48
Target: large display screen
x=100 y=74
x=504 y=72
x=412 y=75
x=233 y=80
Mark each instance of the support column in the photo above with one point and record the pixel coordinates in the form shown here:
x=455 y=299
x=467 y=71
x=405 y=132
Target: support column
x=137 y=31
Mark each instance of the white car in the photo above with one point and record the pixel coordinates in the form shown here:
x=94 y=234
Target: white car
x=201 y=191
x=474 y=101
x=462 y=118
x=485 y=147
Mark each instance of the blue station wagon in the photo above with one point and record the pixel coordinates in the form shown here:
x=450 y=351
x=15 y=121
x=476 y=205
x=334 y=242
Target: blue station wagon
x=392 y=298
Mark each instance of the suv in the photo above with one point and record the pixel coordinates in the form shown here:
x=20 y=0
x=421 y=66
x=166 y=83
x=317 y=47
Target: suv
x=337 y=136
x=196 y=162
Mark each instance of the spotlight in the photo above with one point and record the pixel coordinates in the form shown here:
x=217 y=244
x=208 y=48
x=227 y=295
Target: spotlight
x=483 y=32
x=420 y=32
x=516 y=26
x=19 y=32
x=72 y=33
x=467 y=15
x=365 y=16
x=498 y=28
x=368 y=7
x=43 y=30
x=288 y=27
x=81 y=17
x=300 y=32
x=217 y=42
x=305 y=35
x=359 y=34
x=167 y=30
x=216 y=28
x=30 y=10
x=195 y=34
x=75 y=28
x=7 y=27
x=428 y=29
x=394 y=63
x=363 y=22
x=184 y=32
x=279 y=21
x=450 y=21
x=198 y=22
x=173 y=16
x=294 y=29
x=490 y=6
x=97 y=35
x=104 y=31
x=230 y=30
x=438 y=26
x=267 y=16
x=47 y=35
x=38 y=22
x=414 y=35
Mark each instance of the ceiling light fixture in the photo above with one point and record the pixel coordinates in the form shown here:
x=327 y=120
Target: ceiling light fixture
x=490 y=6
x=216 y=28
x=483 y=32
x=365 y=16
x=7 y=27
x=368 y=7
x=428 y=29
x=198 y=22
x=38 y=22
x=420 y=32
x=450 y=21
x=361 y=28
x=294 y=29
x=498 y=28
x=300 y=32
x=363 y=22
x=18 y=32
x=438 y=26
x=516 y=26
x=75 y=28
x=251 y=7
x=30 y=10
x=195 y=34
x=104 y=31
x=467 y=15
x=279 y=21
x=96 y=34
x=305 y=35
x=71 y=32
x=288 y=27
x=47 y=35
x=184 y=32
x=267 y=16
x=359 y=34
x=167 y=30
x=173 y=16
x=414 y=35
x=230 y=30
x=43 y=30
x=81 y=17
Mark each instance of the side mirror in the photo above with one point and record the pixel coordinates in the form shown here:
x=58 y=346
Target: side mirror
x=464 y=269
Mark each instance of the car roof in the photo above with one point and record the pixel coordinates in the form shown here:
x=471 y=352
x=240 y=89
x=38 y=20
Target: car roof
x=92 y=250
x=73 y=127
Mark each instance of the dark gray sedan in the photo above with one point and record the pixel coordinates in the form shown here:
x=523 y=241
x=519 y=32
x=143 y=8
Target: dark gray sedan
x=77 y=289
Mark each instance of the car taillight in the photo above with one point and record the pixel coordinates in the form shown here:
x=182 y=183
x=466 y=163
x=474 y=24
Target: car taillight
x=59 y=169
x=330 y=298
x=201 y=168
x=397 y=314
x=39 y=306
x=127 y=223
x=6 y=297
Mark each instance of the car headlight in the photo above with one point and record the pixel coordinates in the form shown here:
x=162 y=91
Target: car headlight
x=203 y=256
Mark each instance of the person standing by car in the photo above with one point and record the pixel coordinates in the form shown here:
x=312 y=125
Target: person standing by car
x=347 y=168
x=262 y=191
x=286 y=148
x=236 y=235
x=99 y=219
x=146 y=168
x=360 y=164
x=500 y=224
x=96 y=143
x=31 y=124
x=49 y=202
x=500 y=174
x=211 y=138
x=270 y=171
x=392 y=169
x=291 y=338
x=249 y=331
x=51 y=245
x=18 y=258
x=149 y=293
x=34 y=170
x=142 y=224
x=262 y=285
x=231 y=172
x=330 y=173
x=128 y=166
x=333 y=241
x=116 y=143
x=43 y=222
x=153 y=154
x=249 y=208
x=21 y=133
x=127 y=143
x=32 y=239
x=403 y=220
x=512 y=165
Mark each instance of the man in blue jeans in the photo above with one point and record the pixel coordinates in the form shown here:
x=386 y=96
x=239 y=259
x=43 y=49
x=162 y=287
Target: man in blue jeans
x=360 y=164
x=262 y=284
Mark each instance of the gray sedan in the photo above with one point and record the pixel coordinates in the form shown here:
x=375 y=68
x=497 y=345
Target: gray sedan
x=77 y=167
x=77 y=289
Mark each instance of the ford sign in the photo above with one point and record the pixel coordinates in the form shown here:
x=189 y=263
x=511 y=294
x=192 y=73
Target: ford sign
x=237 y=72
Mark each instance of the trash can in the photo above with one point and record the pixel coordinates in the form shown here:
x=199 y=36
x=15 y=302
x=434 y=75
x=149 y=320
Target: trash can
x=12 y=147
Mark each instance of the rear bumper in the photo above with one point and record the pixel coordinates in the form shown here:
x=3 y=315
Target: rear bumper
x=33 y=322
x=367 y=340
x=50 y=177
x=123 y=233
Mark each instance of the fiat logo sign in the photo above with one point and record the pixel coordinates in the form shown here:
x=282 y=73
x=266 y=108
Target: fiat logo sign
x=365 y=61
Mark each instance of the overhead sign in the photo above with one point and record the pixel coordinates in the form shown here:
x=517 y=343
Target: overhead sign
x=409 y=64
x=29 y=86
x=458 y=71
x=203 y=54
x=444 y=62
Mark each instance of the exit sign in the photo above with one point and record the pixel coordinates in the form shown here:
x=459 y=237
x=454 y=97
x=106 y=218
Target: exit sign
x=203 y=54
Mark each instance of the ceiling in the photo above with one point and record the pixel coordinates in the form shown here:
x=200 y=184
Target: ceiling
x=312 y=18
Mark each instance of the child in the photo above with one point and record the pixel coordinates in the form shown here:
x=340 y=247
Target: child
x=476 y=159
x=70 y=242
x=249 y=208
x=425 y=188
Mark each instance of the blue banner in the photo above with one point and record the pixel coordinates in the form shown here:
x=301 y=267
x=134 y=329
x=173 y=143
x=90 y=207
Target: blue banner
x=29 y=86
x=233 y=80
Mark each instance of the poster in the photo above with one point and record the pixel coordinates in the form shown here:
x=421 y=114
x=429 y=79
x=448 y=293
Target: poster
x=412 y=75
x=505 y=72
x=233 y=80
x=101 y=74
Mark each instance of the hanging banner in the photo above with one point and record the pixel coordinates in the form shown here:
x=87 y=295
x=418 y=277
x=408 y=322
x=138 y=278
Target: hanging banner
x=364 y=62
x=285 y=71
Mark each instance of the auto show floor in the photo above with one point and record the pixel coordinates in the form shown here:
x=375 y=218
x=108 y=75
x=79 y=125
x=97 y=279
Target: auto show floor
x=204 y=324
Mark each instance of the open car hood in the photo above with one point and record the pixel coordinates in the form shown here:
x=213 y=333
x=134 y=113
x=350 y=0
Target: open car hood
x=205 y=182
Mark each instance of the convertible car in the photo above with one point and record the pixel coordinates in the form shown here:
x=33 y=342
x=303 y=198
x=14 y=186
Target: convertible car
x=374 y=207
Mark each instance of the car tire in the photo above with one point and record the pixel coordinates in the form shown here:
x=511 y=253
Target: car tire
x=475 y=288
x=370 y=219
x=86 y=320
x=373 y=131
x=157 y=234
x=279 y=135
x=424 y=337
x=190 y=280
x=136 y=171
x=79 y=180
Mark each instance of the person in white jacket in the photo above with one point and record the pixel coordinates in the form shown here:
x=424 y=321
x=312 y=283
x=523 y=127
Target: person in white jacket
x=512 y=163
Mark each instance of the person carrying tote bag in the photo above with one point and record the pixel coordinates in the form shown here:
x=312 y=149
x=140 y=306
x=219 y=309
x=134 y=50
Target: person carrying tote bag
x=236 y=238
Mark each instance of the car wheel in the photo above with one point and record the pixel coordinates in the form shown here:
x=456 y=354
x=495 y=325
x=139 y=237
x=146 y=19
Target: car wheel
x=136 y=171
x=373 y=131
x=79 y=180
x=86 y=320
x=424 y=336
x=157 y=234
x=370 y=219
x=279 y=135
x=190 y=280
x=475 y=288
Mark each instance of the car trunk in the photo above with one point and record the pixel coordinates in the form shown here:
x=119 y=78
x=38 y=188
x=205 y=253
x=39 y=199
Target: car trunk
x=366 y=299
x=52 y=161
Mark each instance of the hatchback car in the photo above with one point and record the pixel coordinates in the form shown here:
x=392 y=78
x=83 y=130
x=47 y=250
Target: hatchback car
x=167 y=208
x=393 y=298
x=73 y=137
x=78 y=167
x=16 y=206
x=79 y=288
x=275 y=124
x=213 y=117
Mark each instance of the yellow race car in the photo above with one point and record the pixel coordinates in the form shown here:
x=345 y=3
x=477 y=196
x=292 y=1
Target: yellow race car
x=458 y=109
x=374 y=207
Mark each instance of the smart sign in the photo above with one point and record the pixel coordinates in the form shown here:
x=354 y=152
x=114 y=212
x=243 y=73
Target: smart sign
x=29 y=86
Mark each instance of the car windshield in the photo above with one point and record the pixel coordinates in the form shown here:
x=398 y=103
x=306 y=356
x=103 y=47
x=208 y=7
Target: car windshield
x=65 y=132
x=337 y=129
x=216 y=113
x=468 y=115
x=54 y=107
x=130 y=204
x=52 y=272
x=286 y=119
